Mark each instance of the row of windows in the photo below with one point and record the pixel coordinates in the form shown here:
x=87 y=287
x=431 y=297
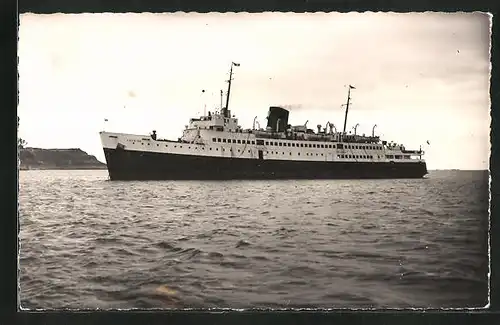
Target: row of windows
x=398 y=157
x=175 y=146
x=189 y=147
x=338 y=156
x=293 y=144
x=222 y=149
x=233 y=141
x=301 y=145
x=298 y=153
x=275 y=152
x=307 y=154
x=317 y=145
x=356 y=156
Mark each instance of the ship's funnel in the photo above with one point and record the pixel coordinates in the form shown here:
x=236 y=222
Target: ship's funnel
x=277 y=119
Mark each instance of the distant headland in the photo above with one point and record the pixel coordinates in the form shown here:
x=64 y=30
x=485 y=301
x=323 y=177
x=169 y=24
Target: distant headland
x=37 y=158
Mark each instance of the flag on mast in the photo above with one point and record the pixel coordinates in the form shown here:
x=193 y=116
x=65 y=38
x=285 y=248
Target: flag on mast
x=236 y=64
x=352 y=87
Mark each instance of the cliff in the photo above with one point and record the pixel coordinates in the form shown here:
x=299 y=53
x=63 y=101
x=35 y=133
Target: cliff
x=36 y=158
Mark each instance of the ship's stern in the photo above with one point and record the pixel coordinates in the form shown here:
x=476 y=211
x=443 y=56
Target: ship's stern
x=423 y=168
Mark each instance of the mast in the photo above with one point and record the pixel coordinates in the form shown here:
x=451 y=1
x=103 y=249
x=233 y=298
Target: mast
x=226 y=109
x=347 y=107
x=204 y=103
x=221 y=94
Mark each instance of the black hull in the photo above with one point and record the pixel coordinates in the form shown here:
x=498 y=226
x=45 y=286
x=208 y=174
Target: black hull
x=137 y=165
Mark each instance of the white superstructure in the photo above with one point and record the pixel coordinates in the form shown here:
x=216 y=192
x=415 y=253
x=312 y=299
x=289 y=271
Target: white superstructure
x=218 y=134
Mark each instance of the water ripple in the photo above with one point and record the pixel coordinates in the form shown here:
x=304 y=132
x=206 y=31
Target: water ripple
x=90 y=243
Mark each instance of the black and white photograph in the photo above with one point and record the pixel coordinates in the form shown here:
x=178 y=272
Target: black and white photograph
x=254 y=161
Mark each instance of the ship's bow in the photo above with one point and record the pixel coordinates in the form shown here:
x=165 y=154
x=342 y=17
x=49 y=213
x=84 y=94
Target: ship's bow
x=109 y=142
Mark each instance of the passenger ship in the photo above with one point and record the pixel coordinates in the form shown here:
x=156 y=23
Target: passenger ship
x=215 y=147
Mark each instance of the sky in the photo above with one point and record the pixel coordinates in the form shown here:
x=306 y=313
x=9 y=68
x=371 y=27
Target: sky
x=418 y=76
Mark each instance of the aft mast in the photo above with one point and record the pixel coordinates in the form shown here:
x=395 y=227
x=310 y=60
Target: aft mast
x=347 y=108
x=225 y=111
